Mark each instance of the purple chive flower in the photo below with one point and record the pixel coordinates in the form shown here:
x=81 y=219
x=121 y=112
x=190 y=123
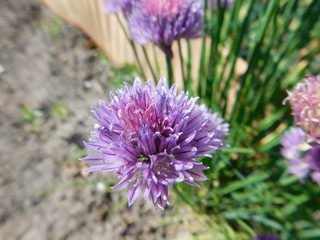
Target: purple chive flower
x=305 y=104
x=293 y=142
x=268 y=236
x=163 y=21
x=303 y=156
x=151 y=137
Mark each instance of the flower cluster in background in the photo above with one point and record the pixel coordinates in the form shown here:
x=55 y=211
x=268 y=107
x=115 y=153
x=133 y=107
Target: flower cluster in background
x=161 y=21
x=151 y=137
x=301 y=145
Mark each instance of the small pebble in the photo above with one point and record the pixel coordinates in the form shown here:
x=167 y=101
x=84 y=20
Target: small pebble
x=101 y=187
x=87 y=84
x=2 y=70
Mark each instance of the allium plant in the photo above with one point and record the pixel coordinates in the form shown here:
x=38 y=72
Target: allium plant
x=151 y=137
x=164 y=21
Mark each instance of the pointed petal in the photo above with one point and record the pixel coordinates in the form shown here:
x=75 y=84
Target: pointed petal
x=197 y=175
x=103 y=168
x=134 y=191
x=93 y=159
x=123 y=182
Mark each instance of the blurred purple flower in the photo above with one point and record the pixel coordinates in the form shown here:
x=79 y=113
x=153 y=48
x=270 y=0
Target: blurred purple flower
x=151 y=137
x=292 y=142
x=163 y=21
x=303 y=156
x=268 y=236
x=224 y=3
x=305 y=102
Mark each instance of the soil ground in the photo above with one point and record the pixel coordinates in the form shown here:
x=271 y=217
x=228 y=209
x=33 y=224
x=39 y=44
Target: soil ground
x=49 y=80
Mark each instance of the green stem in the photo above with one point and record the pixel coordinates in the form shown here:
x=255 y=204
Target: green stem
x=246 y=80
x=156 y=60
x=234 y=53
x=169 y=71
x=182 y=63
x=149 y=63
x=136 y=55
x=189 y=70
x=201 y=79
x=217 y=20
x=234 y=17
x=133 y=46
